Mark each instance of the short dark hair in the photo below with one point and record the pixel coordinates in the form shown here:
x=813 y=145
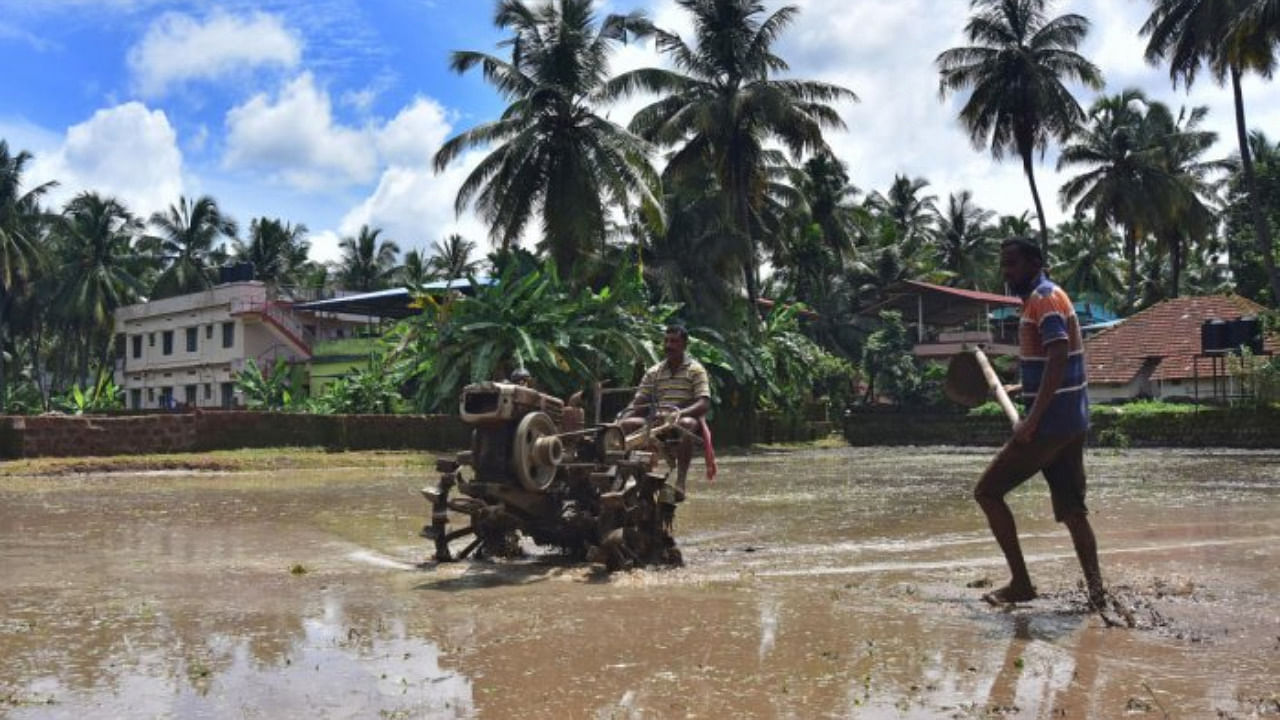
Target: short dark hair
x=678 y=329
x=1029 y=248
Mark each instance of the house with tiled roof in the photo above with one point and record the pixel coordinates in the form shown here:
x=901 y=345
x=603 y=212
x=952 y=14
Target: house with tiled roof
x=944 y=320
x=1157 y=353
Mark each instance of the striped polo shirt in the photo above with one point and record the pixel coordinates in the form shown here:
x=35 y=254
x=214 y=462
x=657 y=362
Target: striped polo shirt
x=678 y=387
x=1048 y=317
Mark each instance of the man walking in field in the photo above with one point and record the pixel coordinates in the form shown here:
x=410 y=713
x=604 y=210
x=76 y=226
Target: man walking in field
x=1050 y=437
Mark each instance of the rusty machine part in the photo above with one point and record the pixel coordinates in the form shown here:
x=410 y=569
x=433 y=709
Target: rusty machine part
x=590 y=491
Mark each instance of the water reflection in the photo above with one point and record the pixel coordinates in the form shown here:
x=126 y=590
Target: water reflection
x=332 y=663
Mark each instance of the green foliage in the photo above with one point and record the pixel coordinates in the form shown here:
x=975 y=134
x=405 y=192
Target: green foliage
x=991 y=408
x=1114 y=438
x=104 y=395
x=374 y=389
x=781 y=367
x=265 y=391
x=889 y=363
x=1142 y=408
x=1259 y=378
x=566 y=339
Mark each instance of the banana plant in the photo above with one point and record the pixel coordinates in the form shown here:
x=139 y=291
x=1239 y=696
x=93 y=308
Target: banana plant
x=265 y=391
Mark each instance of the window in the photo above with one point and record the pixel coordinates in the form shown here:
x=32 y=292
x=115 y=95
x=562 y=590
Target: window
x=135 y=395
x=208 y=332
x=228 y=334
x=151 y=395
x=137 y=346
x=166 y=397
x=228 y=394
x=208 y=390
x=151 y=339
x=191 y=339
x=166 y=342
x=190 y=398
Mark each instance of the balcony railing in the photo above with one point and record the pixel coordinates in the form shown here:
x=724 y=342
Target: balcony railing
x=277 y=315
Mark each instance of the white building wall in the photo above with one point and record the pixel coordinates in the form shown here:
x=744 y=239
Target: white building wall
x=203 y=375
x=229 y=330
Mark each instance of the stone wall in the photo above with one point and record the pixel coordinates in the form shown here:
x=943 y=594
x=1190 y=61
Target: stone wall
x=139 y=433
x=1208 y=427
x=136 y=434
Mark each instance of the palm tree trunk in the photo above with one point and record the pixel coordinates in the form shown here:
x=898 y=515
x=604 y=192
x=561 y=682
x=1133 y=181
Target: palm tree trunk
x=35 y=341
x=1175 y=262
x=1035 y=195
x=1131 y=258
x=4 y=380
x=1261 y=230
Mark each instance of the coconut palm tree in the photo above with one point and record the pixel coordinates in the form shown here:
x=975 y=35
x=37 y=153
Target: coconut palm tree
x=19 y=252
x=22 y=256
x=367 y=263
x=414 y=270
x=911 y=212
x=1017 y=65
x=966 y=247
x=554 y=155
x=1230 y=37
x=1124 y=183
x=188 y=233
x=1246 y=267
x=824 y=184
x=452 y=258
x=724 y=104
x=1087 y=260
x=97 y=271
x=1190 y=218
x=277 y=249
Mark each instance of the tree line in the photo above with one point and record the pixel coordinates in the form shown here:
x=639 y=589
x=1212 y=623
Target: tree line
x=723 y=190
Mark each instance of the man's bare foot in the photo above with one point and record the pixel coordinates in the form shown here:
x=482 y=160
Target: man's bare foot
x=1009 y=594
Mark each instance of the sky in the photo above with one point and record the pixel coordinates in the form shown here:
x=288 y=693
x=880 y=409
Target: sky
x=328 y=112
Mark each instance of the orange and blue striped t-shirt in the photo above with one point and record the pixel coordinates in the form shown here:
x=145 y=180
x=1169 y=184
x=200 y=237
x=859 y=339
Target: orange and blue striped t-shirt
x=1048 y=317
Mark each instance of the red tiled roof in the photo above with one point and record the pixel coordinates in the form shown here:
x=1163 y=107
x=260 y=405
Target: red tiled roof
x=1168 y=332
x=978 y=295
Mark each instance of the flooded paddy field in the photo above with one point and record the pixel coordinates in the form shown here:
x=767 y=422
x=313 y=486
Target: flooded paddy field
x=818 y=584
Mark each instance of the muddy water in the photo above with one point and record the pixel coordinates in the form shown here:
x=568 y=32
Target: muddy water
x=818 y=584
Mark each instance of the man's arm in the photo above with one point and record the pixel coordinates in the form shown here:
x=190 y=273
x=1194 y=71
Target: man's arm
x=640 y=402
x=699 y=408
x=1055 y=369
x=701 y=387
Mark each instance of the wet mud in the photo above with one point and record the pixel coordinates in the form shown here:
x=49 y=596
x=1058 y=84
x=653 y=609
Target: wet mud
x=835 y=583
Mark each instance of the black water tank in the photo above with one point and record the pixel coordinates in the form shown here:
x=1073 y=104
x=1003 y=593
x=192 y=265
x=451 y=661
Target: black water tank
x=1213 y=336
x=1245 y=332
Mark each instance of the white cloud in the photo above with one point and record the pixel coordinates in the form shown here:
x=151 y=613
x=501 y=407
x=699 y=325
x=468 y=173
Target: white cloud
x=324 y=246
x=414 y=206
x=128 y=152
x=178 y=48
x=413 y=136
x=295 y=139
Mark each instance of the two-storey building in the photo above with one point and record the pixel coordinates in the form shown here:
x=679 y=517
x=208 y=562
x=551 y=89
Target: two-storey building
x=187 y=350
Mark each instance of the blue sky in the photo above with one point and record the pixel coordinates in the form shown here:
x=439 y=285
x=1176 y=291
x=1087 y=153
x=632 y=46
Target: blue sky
x=327 y=112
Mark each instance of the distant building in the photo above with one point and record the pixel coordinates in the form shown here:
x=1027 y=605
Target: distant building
x=1157 y=353
x=186 y=351
x=944 y=319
